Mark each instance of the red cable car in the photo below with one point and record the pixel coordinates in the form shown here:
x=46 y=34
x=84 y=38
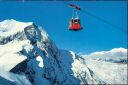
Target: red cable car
x=75 y=21
x=75 y=24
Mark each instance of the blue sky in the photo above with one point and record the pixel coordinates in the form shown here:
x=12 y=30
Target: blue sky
x=54 y=18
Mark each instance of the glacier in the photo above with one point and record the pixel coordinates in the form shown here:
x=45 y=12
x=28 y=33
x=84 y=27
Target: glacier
x=29 y=57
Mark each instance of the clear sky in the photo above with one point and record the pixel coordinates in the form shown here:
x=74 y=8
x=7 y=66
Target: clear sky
x=54 y=18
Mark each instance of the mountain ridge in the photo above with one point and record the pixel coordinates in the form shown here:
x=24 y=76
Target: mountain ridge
x=32 y=54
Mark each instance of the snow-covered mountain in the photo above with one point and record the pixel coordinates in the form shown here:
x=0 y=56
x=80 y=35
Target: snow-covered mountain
x=29 y=57
x=116 y=55
x=110 y=66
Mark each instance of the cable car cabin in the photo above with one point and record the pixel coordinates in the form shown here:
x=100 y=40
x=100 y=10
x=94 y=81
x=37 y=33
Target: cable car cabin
x=75 y=24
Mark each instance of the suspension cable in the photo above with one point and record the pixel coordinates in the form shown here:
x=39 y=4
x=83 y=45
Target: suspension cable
x=103 y=20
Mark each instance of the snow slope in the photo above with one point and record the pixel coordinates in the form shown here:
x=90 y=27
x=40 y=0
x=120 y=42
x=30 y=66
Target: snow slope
x=111 y=73
x=9 y=55
x=28 y=56
x=110 y=66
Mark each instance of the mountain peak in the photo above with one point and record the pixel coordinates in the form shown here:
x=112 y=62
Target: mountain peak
x=11 y=26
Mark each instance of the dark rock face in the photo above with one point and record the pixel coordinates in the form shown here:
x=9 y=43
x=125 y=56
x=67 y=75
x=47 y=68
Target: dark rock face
x=23 y=69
